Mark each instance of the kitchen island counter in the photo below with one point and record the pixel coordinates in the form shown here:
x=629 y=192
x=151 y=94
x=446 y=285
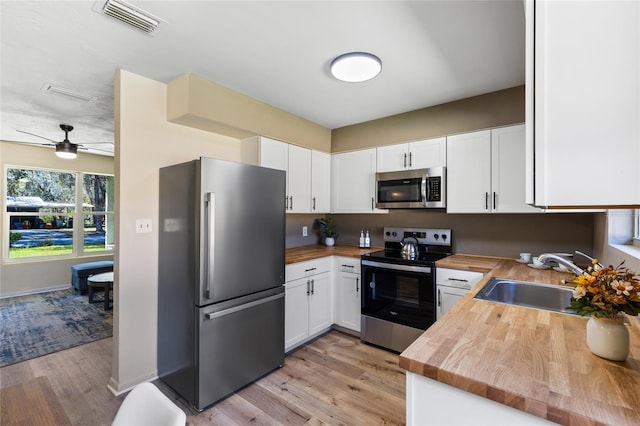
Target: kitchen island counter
x=533 y=360
x=316 y=251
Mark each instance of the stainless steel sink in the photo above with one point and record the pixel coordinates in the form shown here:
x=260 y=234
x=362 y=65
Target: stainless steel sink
x=528 y=294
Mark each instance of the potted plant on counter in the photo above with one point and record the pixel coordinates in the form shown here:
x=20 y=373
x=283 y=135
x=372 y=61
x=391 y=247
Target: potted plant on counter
x=328 y=230
x=603 y=294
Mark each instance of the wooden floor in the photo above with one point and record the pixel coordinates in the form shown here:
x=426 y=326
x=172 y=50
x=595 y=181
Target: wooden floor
x=336 y=379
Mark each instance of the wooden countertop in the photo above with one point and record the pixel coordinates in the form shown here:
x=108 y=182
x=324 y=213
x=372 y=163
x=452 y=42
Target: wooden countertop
x=532 y=360
x=315 y=251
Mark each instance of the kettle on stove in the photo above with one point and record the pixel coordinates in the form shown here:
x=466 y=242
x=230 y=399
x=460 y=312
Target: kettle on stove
x=409 y=248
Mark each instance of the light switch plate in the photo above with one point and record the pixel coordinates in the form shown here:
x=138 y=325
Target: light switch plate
x=143 y=225
x=304 y=231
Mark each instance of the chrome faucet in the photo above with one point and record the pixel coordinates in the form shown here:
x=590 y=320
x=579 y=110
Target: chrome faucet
x=546 y=257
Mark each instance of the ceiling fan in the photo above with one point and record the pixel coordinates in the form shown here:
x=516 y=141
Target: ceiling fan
x=64 y=149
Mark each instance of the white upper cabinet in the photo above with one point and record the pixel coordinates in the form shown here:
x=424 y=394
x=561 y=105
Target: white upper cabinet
x=583 y=135
x=413 y=155
x=308 y=172
x=320 y=182
x=508 y=172
x=299 y=180
x=485 y=172
x=353 y=182
x=469 y=172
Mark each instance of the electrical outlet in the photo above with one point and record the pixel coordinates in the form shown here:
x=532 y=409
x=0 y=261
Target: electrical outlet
x=304 y=231
x=143 y=225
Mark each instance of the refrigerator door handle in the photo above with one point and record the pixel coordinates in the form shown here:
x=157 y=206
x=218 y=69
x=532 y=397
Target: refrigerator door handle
x=210 y=205
x=214 y=315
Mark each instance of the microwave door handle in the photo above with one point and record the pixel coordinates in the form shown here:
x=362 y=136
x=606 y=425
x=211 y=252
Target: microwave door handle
x=424 y=189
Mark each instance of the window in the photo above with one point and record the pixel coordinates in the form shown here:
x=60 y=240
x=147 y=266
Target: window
x=636 y=228
x=47 y=210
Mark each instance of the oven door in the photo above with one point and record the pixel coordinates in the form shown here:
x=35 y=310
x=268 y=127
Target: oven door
x=401 y=294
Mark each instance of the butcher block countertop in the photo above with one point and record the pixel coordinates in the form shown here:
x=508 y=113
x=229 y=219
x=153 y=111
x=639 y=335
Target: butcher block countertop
x=316 y=251
x=533 y=360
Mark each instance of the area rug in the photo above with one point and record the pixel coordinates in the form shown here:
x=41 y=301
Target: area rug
x=40 y=324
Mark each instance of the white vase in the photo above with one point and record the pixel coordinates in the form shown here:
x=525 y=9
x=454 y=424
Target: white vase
x=608 y=338
x=330 y=241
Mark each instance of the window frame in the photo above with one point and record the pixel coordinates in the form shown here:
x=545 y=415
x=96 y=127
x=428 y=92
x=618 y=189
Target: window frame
x=78 y=229
x=636 y=228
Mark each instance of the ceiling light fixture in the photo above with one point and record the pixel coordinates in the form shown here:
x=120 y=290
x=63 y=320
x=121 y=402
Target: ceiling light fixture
x=356 y=67
x=131 y=15
x=66 y=150
x=48 y=87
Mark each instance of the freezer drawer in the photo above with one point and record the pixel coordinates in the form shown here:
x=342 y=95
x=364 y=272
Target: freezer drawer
x=238 y=344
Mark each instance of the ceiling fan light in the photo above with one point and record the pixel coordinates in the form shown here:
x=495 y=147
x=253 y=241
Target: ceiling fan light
x=356 y=67
x=67 y=150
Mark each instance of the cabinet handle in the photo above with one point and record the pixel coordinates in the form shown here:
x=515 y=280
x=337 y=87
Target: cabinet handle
x=494 y=200
x=347 y=266
x=310 y=269
x=286 y=202
x=439 y=298
x=410 y=160
x=308 y=287
x=291 y=203
x=372 y=203
x=486 y=201
x=313 y=286
x=405 y=160
x=314 y=203
x=357 y=284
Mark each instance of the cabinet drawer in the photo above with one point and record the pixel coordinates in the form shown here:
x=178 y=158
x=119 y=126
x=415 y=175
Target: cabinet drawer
x=347 y=264
x=457 y=277
x=307 y=268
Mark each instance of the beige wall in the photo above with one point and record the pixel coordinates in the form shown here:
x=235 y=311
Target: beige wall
x=41 y=275
x=202 y=104
x=145 y=141
x=480 y=112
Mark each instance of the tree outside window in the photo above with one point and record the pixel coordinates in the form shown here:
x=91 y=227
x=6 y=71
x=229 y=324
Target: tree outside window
x=46 y=210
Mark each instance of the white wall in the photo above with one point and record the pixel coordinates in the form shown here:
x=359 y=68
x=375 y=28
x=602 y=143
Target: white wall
x=611 y=231
x=145 y=141
x=42 y=274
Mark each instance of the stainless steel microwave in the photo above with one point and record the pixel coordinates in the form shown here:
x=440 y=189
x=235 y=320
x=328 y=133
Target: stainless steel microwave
x=412 y=189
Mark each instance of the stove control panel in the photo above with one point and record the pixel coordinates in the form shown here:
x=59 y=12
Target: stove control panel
x=438 y=237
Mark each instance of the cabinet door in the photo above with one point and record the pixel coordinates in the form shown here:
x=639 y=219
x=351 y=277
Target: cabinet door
x=299 y=180
x=320 y=312
x=587 y=102
x=349 y=301
x=392 y=158
x=274 y=154
x=320 y=182
x=446 y=298
x=428 y=153
x=469 y=172
x=353 y=182
x=507 y=170
x=296 y=312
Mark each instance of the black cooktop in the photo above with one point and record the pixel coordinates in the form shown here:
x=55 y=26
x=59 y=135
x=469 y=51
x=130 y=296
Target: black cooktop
x=423 y=257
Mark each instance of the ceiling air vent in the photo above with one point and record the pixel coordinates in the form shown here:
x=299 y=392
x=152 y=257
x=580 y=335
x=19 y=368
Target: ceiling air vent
x=131 y=15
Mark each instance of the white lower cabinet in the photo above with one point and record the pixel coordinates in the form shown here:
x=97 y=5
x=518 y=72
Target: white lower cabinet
x=451 y=286
x=426 y=400
x=308 y=300
x=348 y=285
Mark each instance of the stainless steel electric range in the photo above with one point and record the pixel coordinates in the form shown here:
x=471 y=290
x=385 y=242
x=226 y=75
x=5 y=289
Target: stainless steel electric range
x=399 y=286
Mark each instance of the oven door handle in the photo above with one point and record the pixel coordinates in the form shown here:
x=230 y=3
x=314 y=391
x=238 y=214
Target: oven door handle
x=396 y=267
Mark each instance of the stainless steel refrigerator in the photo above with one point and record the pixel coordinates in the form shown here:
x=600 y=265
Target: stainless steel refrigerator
x=220 y=277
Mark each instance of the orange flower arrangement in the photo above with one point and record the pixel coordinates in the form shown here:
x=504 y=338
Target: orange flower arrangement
x=605 y=292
